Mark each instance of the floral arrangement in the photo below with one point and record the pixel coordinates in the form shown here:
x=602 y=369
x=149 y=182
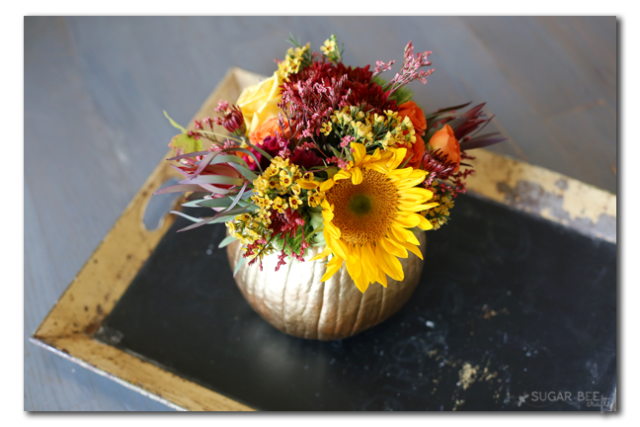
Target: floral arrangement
x=325 y=154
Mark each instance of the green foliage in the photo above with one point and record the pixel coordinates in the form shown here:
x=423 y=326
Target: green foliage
x=312 y=231
x=226 y=241
x=187 y=143
x=306 y=58
x=173 y=123
x=183 y=141
x=401 y=95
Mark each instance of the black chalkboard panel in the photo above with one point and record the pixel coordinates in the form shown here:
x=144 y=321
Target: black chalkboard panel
x=512 y=313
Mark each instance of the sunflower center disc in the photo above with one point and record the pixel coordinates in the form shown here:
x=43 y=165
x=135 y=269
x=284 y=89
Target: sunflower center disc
x=364 y=212
x=360 y=204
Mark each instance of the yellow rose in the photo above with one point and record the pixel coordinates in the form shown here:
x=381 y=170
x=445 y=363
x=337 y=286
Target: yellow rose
x=259 y=103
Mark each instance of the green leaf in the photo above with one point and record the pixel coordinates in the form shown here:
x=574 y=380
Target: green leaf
x=189 y=217
x=401 y=95
x=185 y=142
x=173 y=123
x=246 y=172
x=244 y=150
x=225 y=158
x=208 y=203
x=332 y=171
x=259 y=150
x=227 y=240
x=404 y=164
x=214 y=179
x=238 y=265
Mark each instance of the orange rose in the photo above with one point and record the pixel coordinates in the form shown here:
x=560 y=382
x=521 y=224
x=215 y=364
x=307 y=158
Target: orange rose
x=447 y=143
x=268 y=128
x=415 y=114
x=414 y=153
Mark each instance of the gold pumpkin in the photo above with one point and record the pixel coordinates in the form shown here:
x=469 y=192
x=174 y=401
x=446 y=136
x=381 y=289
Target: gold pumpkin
x=296 y=302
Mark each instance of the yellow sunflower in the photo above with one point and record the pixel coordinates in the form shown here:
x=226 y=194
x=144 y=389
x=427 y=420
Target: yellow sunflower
x=368 y=212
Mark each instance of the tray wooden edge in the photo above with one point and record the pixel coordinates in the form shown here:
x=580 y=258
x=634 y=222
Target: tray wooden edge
x=69 y=327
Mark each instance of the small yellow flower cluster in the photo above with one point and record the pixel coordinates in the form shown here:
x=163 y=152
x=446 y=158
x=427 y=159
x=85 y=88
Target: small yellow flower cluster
x=367 y=129
x=330 y=49
x=292 y=62
x=326 y=128
x=439 y=215
x=247 y=228
x=400 y=131
x=280 y=187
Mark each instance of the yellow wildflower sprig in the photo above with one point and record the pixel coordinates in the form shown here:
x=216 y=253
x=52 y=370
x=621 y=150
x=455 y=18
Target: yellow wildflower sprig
x=330 y=49
x=281 y=186
x=439 y=215
x=386 y=130
x=294 y=61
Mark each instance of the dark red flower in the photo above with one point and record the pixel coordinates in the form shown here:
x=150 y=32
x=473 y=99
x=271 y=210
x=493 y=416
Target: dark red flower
x=305 y=158
x=311 y=95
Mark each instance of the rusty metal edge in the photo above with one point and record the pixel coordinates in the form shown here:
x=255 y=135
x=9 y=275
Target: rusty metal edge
x=545 y=193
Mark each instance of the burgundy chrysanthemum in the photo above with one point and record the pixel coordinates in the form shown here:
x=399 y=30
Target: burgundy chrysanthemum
x=323 y=87
x=305 y=158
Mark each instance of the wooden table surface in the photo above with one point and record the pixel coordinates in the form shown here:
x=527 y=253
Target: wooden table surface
x=95 y=88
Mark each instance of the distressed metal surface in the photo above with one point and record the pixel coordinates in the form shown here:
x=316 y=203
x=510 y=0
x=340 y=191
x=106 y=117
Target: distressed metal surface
x=508 y=303
x=542 y=192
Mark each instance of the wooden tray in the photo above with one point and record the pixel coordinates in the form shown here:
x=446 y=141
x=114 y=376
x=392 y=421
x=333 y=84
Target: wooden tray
x=521 y=309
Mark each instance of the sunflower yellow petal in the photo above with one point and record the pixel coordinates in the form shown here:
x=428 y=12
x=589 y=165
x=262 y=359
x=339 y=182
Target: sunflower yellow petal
x=308 y=185
x=378 y=167
x=382 y=263
x=331 y=229
x=325 y=253
x=369 y=262
x=425 y=224
x=416 y=207
x=343 y=174
x=340 y=248
x=354 y=265
x=404 y=235
x=394 y=266
x=413 y=248
x=410 y=182
x=326 y=185
x=408 y=220
x=356 y=176
x=391 y=247
x=418 y=191
x=361 y=283
x=401 y=174
x=398 y=156
x=332 y=268
x=359 y=151
x=382 y=278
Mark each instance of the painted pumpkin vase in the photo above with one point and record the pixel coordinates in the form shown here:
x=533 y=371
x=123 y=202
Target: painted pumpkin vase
x=327 y=177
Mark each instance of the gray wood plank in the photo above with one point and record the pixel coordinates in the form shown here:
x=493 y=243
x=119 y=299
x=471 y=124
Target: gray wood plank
x=95 y=88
